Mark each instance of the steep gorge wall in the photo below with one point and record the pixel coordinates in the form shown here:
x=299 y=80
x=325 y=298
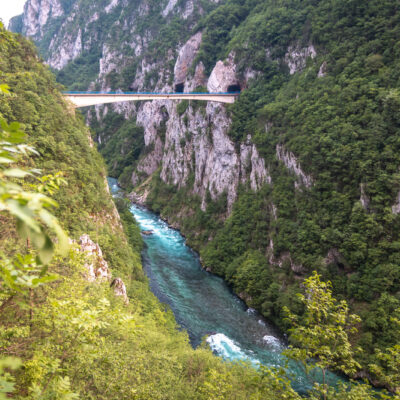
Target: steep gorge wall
x=195 y=141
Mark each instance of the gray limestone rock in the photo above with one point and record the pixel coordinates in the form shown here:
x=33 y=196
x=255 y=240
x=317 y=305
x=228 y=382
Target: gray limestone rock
x=296 y=57
x=291 y=163
x=186 y=56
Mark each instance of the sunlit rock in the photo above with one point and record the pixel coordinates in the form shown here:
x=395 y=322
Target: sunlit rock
x=296 y=57
x=323 y=70
x=96 y=266
x=396 y=205
x=37 y=13
x=223 y=75
x=364 y=199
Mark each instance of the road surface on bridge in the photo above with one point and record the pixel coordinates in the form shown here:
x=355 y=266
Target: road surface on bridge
x=84 y=99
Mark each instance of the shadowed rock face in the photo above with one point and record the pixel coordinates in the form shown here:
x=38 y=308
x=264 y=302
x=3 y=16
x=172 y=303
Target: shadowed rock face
x=296 y=57
x=119 y=288
x=170 y=6
x=71 y=49
x=291 y=162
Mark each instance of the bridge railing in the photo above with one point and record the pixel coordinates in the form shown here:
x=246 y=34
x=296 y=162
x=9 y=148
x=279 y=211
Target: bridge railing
x=154 y=93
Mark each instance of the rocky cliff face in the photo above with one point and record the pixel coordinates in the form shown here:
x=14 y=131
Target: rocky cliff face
x=36 y=15
x=181 y=141
x=196 y=140
x=306 y=161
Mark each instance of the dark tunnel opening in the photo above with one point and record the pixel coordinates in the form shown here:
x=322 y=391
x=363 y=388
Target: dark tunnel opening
x=179 y=88
x=234 y=88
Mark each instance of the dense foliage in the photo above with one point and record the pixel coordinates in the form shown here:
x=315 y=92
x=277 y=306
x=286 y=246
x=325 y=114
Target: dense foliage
x=122 y=146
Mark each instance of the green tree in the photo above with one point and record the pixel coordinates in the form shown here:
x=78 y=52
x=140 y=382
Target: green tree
x=32 y=212
x=320 y=337
x=388 y=366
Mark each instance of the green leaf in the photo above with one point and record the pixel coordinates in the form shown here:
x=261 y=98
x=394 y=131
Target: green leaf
x=6 y=160
x=16 y=173
x=23 y=213
x=38 y=239
x=44 y=279
x=4 y=88
x=10 y=362
x=46 y=252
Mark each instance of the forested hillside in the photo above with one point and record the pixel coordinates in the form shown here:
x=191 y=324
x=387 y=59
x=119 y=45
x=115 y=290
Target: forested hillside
x=334 y=127
x=300 y=174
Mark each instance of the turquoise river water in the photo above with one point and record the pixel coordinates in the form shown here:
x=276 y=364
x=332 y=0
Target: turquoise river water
x=204 y=305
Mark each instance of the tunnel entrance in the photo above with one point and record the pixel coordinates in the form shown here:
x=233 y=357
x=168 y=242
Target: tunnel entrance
x=179 y=87
x=233 y=88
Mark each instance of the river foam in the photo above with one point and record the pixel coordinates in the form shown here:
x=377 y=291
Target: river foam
x=226 y=348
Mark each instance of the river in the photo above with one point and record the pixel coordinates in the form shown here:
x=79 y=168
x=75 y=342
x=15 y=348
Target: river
x=204 y=305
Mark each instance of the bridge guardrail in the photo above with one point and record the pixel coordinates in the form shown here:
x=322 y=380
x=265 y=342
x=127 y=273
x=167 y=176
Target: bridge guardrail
x=153 y=93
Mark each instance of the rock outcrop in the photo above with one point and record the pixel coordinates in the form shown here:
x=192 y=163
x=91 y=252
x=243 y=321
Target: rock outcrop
x=185 y=59
x=251 y=161
x=323 y=70
x=36 y=15
x=170 y=6
x=70 y=48
x=223 y=75
x=364 y=199
x=291 y=163
x=97 y=267
x=335 y=257
x=111 y=5
x=296 y=57
x=396 y=205
x=119 y=288
x=282 y=259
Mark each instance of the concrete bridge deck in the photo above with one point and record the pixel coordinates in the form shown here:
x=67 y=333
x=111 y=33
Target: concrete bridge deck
x=84 y=99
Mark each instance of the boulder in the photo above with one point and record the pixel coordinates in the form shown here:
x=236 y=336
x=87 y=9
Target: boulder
x=119 y=288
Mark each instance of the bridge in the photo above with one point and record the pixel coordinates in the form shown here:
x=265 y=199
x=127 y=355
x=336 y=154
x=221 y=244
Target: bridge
x=84 y=99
